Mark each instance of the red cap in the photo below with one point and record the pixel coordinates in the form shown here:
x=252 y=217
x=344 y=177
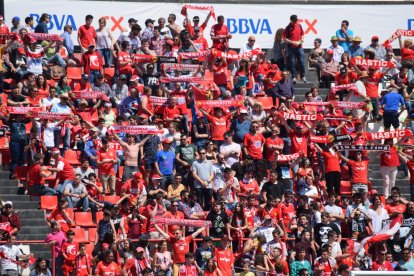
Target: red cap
x=330 y=52
x=138 y=175
x=375 y=37
x=133 y=78
x=170 y=42
x=32 y=40
x=105 y=246
x=140 y=249
x=55 y=150
x=156 y=176
x=143 y=115
x=21 y=51
x=167 y=141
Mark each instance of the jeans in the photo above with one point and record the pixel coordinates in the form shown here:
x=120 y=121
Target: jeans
x=106 y=55
x=375 y=107
x=287 y=143
x=57 y=59
x=204 y=198
x=82 y=202
x=92 y=75
x=293 y=54
x=60 y=188
x=166 y=179
x=18 y=155
x=66 y=138
x=38 y=189
x=128 y=171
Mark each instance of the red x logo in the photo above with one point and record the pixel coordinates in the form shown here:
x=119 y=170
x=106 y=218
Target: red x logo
x=117 y=23
x=310 y=25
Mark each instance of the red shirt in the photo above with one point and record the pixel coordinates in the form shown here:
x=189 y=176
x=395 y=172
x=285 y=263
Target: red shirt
x=331 y=162
x=348 y=79
x=83 y=263
x=188 y=270
x=190 y=28
x=274 y=77
x=71 y=250
x=58 y=216
x=249 y=187
x=4 y=30
x=220 y=30
x=220 y=74
x=391 y=208
x=407 y=53
x=67 y=172
x=123 y=57
x=87 y=35
x=180 y=248
x=270 y=153
x=218 y=126
x=201 y=44
x=288 y=212
x=131 y=266
x=390 y=158
x=372 y=84
x=250 y=214
x=299 y=143
x=294 y=33
x=93 y=192
x=170 y=112
x=410 y=166
x=386 y=266
x=359 y=171
x=34 y=176
x=224 y=259
x=107 y=168
x=92 y=61
x=171 y=227
x=254 y=144
x=104 y=269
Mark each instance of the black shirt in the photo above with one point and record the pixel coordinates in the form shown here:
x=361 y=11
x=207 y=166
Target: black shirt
x=218 y=221
x=273 y=190
x=321 y=232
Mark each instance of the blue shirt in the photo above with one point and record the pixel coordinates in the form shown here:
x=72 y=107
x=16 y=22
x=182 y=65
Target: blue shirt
x=165 y=160
x=67 y=42
x=90 y=148
x=41 y=28
x=344 y=44
x=285 y=88
x=355 y=51
x=240 y=129
x=391 y=101
x=60 y=108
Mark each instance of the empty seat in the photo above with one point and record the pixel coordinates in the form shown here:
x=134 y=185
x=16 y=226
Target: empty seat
x=92 y=234
x=74 y=73
x=48 y=202
x=80 y=236
x=99 y=216
x=111 y=199
x=345 y=188
x=84 y=219
x=73 y=157
x=267 y=102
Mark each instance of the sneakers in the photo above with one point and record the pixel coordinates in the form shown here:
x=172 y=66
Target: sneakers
x=304 y=80
x=294 y=80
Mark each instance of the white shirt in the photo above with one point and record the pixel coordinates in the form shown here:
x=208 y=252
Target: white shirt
x=246 y=48
x=46 y=102
x=226 y=149
x=334 y=210
x=376 y=220
x=48 y=133
x=338 y=51
x=11 y=253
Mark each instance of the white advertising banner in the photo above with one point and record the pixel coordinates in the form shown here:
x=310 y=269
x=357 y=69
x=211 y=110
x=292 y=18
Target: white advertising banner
x=243 y=20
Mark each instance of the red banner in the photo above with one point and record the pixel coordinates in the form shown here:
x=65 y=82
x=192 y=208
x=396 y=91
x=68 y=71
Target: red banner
x=288 y=158
x=141 y=58
x=230 y=57
x=191 y=55
x=12 y=36
x=163 y=100
x=181 y=79
x=321 y=139
x=136 y=130
x=219 y=103
x=388 y=134
x=180 y=67
x=372 y=63
x=48 y=37
x=346 y=105
x=89 y=94
x=5 y=227
x=198 y=8
x=300 y=117
x=351 y=86
x=397 y=34
x=182 y=222
x=48 y=115
x=22 y=109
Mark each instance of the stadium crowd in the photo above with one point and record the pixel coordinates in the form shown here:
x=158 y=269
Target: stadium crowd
x=194 y=159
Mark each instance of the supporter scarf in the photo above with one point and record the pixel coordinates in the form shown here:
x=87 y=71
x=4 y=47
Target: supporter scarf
x=23 y=264
x=5 y=227
x=198 y=8
x=336 y=117
x=372 y=63
x=48 y=37
x=141 y=58
x=180 y=67
x=219 y=103
x=300 y=117
x=288 y=158
x=190 y=55
x=163 y=100
x=330 y=138
x=388 y=134
x=136 y=130
x=231 y=57
x=337 y=104
x=88 y=94
x=167 y=59
x=341 y=87
x=359 y=148
x=397 y=34
x=201 y=93
x=48 y=115
x=181 y=79
x=22 y=109
x=182 y=222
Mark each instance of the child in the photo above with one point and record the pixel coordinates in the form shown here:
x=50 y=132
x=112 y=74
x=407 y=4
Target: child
x=69 y=253
x=188 y=268
x=83 y=262
x=246 y=268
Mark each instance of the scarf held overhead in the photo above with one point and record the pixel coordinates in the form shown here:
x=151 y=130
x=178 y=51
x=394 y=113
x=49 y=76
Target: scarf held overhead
x=198 y=8
x=183 y=222
x=89 y=95
x=372 y=63
x=219 y=103
x=397 y=34
x=388 y=134
x=359 y=148
x=136 y=130
x=181 y=79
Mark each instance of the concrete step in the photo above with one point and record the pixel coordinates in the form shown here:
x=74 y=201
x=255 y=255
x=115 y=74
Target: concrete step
x=8 y=183
x=33 y=230
x=34 y=222
x=8 y=190
x=30 y=214
x=29 y=205
x=32 y=237
x=15 y=197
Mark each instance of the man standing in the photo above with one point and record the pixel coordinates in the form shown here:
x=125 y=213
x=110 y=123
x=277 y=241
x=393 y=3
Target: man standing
x=106 y=159
x=230 y=150
x=86 y=34
x=378 y=49
x=294 y=37
x=16 y=25
x=67 y=40
x=10 y=253
x=203 y=173
x=329 y=69
x=220 y=35
x=92 y=63
x=359 y=168
x=390 y=103
x=148 y=32
x=220 y=222
x=241 y=126
x=224 y=257
x=254 y=142
x=164 y=163
x=185 y=155
x=344 y=35
x=11 y=217
x=283 y=89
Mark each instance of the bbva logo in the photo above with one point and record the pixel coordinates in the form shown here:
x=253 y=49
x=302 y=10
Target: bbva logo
x=244 y=26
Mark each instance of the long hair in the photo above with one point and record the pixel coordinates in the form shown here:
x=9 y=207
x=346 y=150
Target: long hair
x=279 y=35
x=44 y=85
x=37 y=267
x=237 y=215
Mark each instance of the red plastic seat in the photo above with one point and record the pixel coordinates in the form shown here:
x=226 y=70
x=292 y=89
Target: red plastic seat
x=111 y=199
x=267 y=102
x=89 y=248
x=84 y=219
x=74 y=73
x=120 y=171
x=21 y=173
x=109 y=72
x=48 y=202
x=73 y=157
x=345 y=188
x=92 y=234
x=99 y=216
x=80 y=236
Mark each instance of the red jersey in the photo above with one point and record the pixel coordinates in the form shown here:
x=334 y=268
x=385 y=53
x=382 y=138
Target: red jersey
x=188 y=270
x=180 y=248
x=107 y=168
x=372 y=84
x=93 y=192
x=220 y=74
x=250 y=214
x=3 y=30
x=83 y=264
x=201 y=44
x=390 y=158
x=190 y=28
x=385 y=266
x=57 y=215
x=288 y=212
x=170 y=112
x=71 y=250
x=34 y=176
x=66 y=172
x=105 y=269
x=327 y=267
x=359 y=171
x=218 y=126
x=78 y=86
x=171 y=227
x=87 y=35
x=224 y=259
x=135 y=267
x=220 y=30
x=331 y=162
x=293 y=32
x=274 y=77
x=254 y=144
x=299 y=143
x=92 y=61
x=249 y=187
x=391 y=208
x=123 y=57
x=348 y=79
x=270 y=153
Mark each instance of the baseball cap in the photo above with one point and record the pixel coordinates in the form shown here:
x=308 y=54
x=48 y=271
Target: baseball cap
x=16 y=18
x=55 y=150
x=133 y=78
x=196 y=29
x=132 y=20
x=64 y=95
x=243 y=111
x=21 y=51
x=333 y=38
x=375 y=37
x=8 y=203
x=138 y=175
x=122 y=77
x=91 y=45
x=330 y=52
x=156 y=176
x=115 y=206
x=94 y=129
x=167 y=141
x=143 y=115
x=140 y=249
x=195 y=18
x=85 y=77
x=149 y=21
x=294 y=17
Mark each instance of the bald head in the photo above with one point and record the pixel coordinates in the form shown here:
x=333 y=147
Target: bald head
x=252 y=40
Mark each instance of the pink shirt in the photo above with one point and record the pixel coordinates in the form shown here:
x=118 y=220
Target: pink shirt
x=59 y=237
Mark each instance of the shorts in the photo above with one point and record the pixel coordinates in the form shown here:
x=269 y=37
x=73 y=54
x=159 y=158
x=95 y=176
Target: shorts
x=149 y=164
x=391 y=119
x=359 y=187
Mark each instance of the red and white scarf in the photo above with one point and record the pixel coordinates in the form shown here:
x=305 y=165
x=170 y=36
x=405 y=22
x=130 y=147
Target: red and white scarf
x=337 y=104
x=219 y=103
x=198 y=8
x=89 y=94
x=231 y=57
x=181 y=79
x=191 y=55
x=341 y=87
x=180 y=67
x=288 y=158
x=299 y=117
x=22 y=109
x=388 y=134
x=397 y=34
x=182 y=222
x=141 y=58
x=163 y=100
x=136 y=130
x=48 y=37
x=48 y=115
x=372 y=63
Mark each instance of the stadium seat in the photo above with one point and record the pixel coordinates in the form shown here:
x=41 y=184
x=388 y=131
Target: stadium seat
x=4 y=142
x=84 y=219
x=267 y=102
x=99 y=216
x=74 y=73
x=48 y=202
x=111 y=199
x=80 y=236
x=73 y=157
x=345 y=188
x=109 y=73
x=89 y=248
x=21 y=173
x=92 y=234
x=120 y=171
